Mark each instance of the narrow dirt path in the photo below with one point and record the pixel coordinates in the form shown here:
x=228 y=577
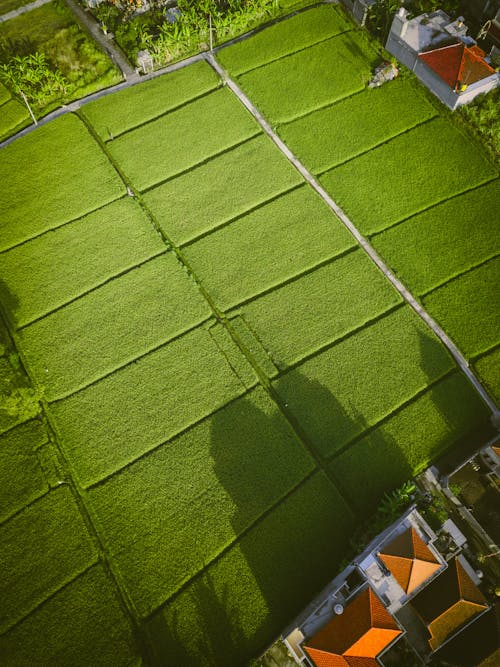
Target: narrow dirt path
x=22 y=10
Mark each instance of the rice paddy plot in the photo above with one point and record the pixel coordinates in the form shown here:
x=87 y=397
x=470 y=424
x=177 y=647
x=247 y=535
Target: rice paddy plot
x=77 y=257
x=230 y=613
x=63 y=168
x=319 y=75
x=409 y=441
x=265 y=247
x=488 y=370
x=21 y=477
x=13 y=117
x=82 y=624
x=111 y=423
x=356 y=124
x=468 y=308
x=207 y=486
x=225 y=187
x=128 y=108
x=181 y=139
x=406 y=175
x=282 y=38
x=350 y=387
x=42 y=549
x=444 y=241
x=112 y=325
x=301 y=316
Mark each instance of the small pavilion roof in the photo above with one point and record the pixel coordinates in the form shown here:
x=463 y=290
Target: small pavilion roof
x=458 y=65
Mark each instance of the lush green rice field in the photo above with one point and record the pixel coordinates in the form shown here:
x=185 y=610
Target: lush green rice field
x=379 y=188
x=230 y=384
x=329 y=136
x=13 y=115
x=112 y=115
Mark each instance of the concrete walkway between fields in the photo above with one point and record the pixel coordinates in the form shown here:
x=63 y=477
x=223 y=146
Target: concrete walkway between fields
x=367 y=247
x=22 y=10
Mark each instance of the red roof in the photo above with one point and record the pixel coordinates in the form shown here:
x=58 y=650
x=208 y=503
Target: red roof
x=356 y=637
x=409 y=560
x=458 y=65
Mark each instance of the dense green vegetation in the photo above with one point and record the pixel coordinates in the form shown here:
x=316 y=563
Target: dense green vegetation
x=112 y=115
x=433 y=170
x=210 y=421
x=331 y=135
x=46 y=55
x=13 y=114
x=483 y=116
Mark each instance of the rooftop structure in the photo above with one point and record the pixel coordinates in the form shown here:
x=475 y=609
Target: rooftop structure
x=448 y=603
x=458 y=65
x=355 y=637
x=409 y=560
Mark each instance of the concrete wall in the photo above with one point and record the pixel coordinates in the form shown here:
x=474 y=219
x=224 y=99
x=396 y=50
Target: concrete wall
x=400 y=49
x=358 y=9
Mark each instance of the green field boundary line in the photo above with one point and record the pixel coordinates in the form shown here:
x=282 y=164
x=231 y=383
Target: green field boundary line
x=283 y=56
x=63 y=224
x=181 y=105
x=477 y=357
x=49 y=597
x=434 y=205
x=239 y=216
x=130 y=362
x=85 y=293
x=456 y=276
x=21 y=509
x=387 y=140
x=293 y=278
x=394 y=411
x=154 y=448
x=195 y=165
x=220 y=316
x=363 y=242
x=340 y=339
x=227 y=547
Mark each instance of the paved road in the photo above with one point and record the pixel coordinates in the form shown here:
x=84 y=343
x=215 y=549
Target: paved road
x=22 y=10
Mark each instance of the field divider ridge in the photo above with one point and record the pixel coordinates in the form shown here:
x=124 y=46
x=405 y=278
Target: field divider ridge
x=200 y=163
x=387 y=140
x=456 y=276
x=20 y=510
x=220 y=316
x=434 y=205
x=134 y=360
x=363 y=242
x=93 y=289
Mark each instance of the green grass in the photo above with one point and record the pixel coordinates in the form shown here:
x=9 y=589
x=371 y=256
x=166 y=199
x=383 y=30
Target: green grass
x=220 y=190
x=466 y=308
x=442 y=242
x=82 y=624
x=112 y=325
x=350 y=387
x=133 y=106
x=488 y=370
x=408 y=441
x=47 y=532
x=183 y=138
x=382 y=187
x=300 y=317
x=331 y=135
x=207 y=486
x=9 y=5
x=13 y=117
x=109 y=424
x=77 y=257
x=59 y=165
x=232 y=611
x=265 y=247
x=319 y=75
x=283 y=38
x=21 y=477
x=4 y=94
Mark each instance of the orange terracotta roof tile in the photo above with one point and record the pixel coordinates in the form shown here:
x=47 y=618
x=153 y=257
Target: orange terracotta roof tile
x=458 y=65
x=409 y=560
x=449 y=622
x=357 y=636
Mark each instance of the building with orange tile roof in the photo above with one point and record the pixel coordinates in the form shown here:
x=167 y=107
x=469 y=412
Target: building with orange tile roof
x=448 y=603
x=356 y=637
x=409 y=560
x=458 y=65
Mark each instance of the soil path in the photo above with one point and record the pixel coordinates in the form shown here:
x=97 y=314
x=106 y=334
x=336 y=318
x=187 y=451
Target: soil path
x=22 y=10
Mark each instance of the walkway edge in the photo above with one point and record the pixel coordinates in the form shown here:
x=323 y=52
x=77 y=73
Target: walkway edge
x=363 y=242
